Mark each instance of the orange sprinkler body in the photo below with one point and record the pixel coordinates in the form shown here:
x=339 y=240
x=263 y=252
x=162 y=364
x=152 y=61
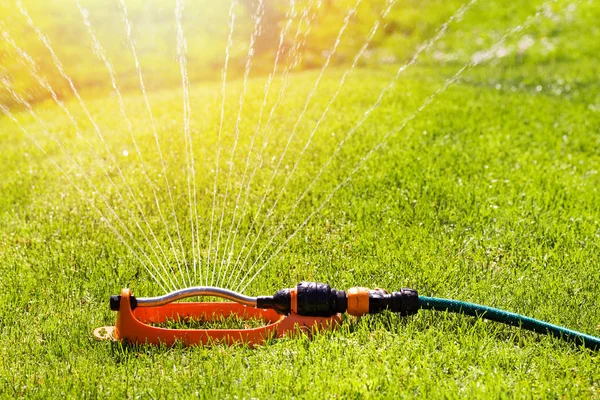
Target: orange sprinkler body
x=308 y=307
x=134 y=325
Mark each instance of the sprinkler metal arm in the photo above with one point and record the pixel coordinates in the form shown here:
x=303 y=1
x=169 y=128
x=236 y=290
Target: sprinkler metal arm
x=182 y=294
x=196 y=291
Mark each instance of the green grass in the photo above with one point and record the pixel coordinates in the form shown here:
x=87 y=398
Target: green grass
x=490 y=195
x=232 y=322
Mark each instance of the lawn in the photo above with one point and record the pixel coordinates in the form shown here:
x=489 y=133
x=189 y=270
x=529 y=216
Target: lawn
x=489 y=194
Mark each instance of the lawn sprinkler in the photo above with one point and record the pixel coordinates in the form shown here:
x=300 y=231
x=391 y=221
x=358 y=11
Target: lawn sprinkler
x=308 y=307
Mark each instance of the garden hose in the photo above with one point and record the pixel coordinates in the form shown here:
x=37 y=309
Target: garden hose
x=319 y=300
x=509 y=318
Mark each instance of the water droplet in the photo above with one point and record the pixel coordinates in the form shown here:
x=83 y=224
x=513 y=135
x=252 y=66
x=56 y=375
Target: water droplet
x=125 y=153
x=502 y=52
x=538 y=88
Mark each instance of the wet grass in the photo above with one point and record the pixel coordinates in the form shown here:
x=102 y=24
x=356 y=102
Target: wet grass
x=490 y=195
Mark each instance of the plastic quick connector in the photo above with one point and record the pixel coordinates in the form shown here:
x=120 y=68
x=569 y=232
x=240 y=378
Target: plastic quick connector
x=319 y=300
x=405 y=302
x=280 y=302
x=309 y=299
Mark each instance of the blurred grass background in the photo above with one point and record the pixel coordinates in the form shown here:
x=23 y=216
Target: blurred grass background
x=206 y=28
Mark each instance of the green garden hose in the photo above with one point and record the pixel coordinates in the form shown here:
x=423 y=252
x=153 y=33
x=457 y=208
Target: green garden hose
x=509 y=318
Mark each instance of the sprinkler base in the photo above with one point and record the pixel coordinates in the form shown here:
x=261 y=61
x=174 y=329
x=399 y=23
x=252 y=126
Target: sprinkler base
x=134 y=325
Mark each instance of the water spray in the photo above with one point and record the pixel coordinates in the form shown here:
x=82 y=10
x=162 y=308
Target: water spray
x=308 y=307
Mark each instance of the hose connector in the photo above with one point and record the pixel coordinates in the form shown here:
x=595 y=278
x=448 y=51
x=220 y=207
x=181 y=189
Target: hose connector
x=320 y=300
x=309 y=299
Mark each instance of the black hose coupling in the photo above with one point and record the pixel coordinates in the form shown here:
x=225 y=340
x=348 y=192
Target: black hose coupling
x=308 y=299
x=405 y=302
